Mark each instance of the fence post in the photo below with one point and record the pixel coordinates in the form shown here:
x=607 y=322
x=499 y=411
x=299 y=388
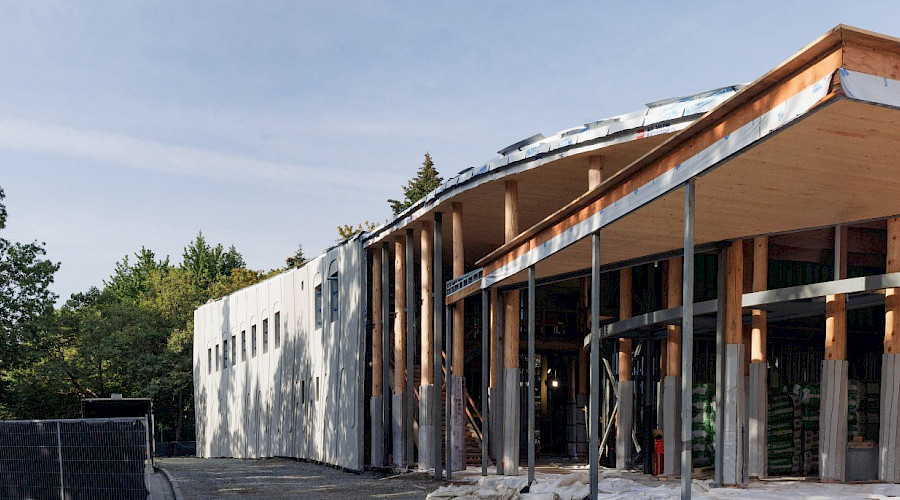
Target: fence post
x=62 y=484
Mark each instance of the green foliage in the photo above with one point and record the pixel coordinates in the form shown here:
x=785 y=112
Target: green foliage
x=25 y=296
x=348 y=230
x=132 y=336
x=205 y=262
x=427 y=179
x=296 y=260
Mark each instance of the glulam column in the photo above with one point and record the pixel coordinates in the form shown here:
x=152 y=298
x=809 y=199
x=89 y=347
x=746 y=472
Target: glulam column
x=734 y=380
x=426 y=413
x=757 y=402
x=833 y=413
x=888 y=448
x=626 y=384
x=398 y=401
x=511 y=319
x=376 y=404
x=456 y=379
x=672 y=381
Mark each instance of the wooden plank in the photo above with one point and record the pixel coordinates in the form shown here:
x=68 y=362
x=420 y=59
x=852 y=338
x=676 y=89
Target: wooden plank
x=427 y=316
x=758 y=319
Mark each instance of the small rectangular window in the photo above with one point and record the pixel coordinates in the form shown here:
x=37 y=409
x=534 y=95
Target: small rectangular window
x=243 y=345
x=334 y=299
x=277 y=329
x=253 y=341
x=303 y=391
x=225 y=353
x=233 y=351
x=217 y=357
x=265 y=335
x=209 y=360
x=319 y=306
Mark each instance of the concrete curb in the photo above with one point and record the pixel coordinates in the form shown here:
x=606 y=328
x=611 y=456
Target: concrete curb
x=175 y=489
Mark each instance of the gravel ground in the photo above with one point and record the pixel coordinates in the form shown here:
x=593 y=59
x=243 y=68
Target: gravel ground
x=279 y=478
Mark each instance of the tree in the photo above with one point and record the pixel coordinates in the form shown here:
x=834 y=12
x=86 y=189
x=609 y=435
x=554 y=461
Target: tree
x=347 y=230
x=427 y=179
x=296 y=260
x=206 y=263
x=25 y=296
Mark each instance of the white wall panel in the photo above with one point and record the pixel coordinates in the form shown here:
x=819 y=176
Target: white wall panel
x=302 y=398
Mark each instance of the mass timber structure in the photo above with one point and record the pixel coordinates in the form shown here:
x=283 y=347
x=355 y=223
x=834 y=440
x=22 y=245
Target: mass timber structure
x=699 y=270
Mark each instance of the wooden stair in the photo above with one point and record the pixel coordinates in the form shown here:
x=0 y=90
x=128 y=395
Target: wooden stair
x=474 y=420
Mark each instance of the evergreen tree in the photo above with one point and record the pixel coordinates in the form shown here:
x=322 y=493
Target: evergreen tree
x=427 y=179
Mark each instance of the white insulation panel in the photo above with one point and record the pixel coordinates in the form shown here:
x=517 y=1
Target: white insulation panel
x=301 y=397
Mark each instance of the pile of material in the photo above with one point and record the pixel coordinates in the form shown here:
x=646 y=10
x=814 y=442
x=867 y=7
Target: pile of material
x=784 y=434
x=810 y=405
x=703 y=425
x=856 y=409
x=873 y=409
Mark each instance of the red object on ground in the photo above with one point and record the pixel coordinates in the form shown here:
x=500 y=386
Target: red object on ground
x=658 y=457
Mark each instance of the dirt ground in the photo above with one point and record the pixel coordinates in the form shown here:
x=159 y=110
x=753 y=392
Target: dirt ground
x=279 y=478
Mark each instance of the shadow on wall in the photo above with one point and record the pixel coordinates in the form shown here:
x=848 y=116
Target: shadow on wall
x=301 y=394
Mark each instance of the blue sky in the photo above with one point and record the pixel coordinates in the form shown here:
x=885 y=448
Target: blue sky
x=266 y=124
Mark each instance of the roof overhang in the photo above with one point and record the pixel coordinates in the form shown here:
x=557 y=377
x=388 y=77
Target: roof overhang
x=812 y=143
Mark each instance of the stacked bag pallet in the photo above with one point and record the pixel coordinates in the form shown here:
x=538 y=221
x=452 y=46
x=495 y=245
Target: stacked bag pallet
x=856 y=409
x=873 y=410
x=784 y=434
x=703 y=425
x=809 y=395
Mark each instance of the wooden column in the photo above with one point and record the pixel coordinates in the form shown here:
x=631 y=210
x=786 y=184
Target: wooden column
x=833 y=415
x=377 y=337
x=398 y=402
x=377 y=403
x=399 y=316
x=734 y=420
x=427 y=414
x=427 y=262
x=671 y=386
x=625 y=298
x=889 y=449
x=595 y=171
x=892 y=295
x=673 y=332
x=511 y=343
x=626 y=385
x=760 y=283
x=836 y=305
x=456 y=379
x=757 y=404
x=458 y=270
